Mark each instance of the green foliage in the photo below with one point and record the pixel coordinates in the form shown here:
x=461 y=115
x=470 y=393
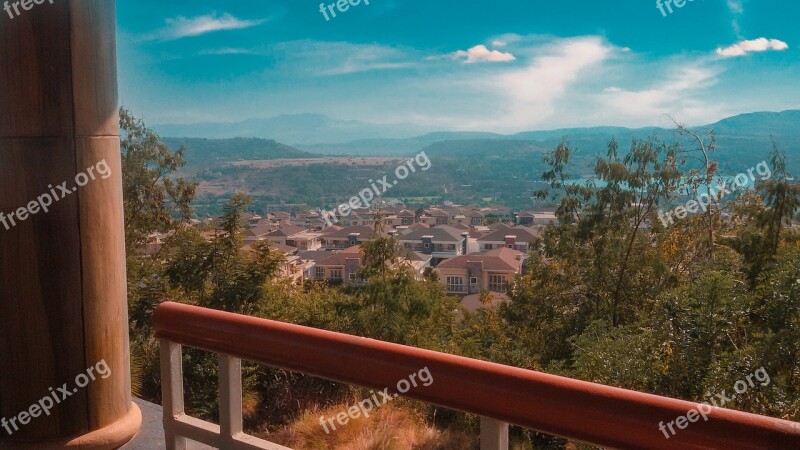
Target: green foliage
x=610 y=295
x=153 y=198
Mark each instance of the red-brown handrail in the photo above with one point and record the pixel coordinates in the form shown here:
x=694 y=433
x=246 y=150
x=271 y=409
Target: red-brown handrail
x=588 y=412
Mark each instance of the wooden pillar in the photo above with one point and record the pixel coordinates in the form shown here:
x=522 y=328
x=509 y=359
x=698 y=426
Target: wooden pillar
x=63 y=306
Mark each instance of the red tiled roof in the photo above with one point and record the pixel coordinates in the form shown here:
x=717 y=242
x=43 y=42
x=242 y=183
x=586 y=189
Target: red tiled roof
x=286 y=231
x=502 y=259
x=340 y=258
x=523 y=234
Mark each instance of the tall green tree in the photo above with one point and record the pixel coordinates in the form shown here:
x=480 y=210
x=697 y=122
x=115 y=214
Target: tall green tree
x=154 y=196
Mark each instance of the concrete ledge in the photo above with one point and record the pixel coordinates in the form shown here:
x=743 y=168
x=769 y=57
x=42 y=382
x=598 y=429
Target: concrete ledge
x=151 y=436
x=111 y=437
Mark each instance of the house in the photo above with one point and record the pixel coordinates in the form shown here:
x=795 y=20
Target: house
x=490 y=271
x=497 y=226
x=531 y=218
x=408 y=229
x=476 y=218
x=311 y=258
x=516 y=238
x=259 y=231
x=155 y=242
x=407 y=217
x=349 y=236
x=294 y=236
x=344 y=266
x=282 y=217
x=250 y=219
x=435 y=216
x=440 y=242
x=293 y=267
x=356 y=219
x=340 y=267
x=310 y=220
x=392 y=221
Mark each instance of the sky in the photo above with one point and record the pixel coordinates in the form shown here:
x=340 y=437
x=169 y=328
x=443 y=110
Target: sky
x=502 y=66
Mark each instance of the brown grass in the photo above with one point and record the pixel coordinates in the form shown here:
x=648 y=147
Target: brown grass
x=391 y=427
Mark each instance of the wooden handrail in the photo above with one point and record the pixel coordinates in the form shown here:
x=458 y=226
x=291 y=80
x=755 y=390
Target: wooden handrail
x=592 y=413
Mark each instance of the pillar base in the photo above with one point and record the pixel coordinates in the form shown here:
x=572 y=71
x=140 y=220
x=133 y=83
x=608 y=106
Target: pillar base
x=111 y=437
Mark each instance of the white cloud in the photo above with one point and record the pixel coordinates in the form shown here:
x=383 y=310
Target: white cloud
x=678 y=95
x=533 y=91
x=736 y=6
x=228 y=51
x=754 y=45
x=321 y=58
x=181 y=27
x=480 y=53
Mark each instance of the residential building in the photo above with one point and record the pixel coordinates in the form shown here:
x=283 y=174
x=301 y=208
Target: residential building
x=348 y=237
x=491 y=271
x=441 y=242
x=476 y=218
x=293 y=267
x=340 y=267
x=516 y=238
x=435 y=216
x=531 y=218
x=294 y=236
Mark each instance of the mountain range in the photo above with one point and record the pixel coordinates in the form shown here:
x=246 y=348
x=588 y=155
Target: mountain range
x=744 y=137
x=321 y=135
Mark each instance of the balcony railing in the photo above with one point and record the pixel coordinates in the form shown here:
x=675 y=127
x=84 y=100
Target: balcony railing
x=595 y=414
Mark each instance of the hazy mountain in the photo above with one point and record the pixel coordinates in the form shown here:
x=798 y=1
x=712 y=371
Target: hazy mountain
x=204 y=151
x=466 y=167
x=293 y=129
x=743 y=135
x=760 y=124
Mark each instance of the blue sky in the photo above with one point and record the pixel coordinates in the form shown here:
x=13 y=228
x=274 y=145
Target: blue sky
x=499 y=66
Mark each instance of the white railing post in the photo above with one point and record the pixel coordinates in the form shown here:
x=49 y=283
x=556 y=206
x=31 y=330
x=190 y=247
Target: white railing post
x=494 y=434
x=230 y=398
x=172 y=393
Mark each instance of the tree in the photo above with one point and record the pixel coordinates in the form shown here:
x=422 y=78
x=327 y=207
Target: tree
x=153 y=196
x=705 y=178
x=601 y=230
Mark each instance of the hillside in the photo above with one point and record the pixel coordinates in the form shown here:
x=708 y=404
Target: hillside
x=208 y=151
x=482 y=168
x=293 y=128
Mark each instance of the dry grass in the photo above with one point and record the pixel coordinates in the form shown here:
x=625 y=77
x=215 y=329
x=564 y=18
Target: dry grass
x=391 y=427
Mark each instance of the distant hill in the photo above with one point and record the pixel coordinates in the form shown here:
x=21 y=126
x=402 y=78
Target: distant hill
x=207 y=151
x=760 y=124
x=467 y=167
x=742 y=135
x=293 y=129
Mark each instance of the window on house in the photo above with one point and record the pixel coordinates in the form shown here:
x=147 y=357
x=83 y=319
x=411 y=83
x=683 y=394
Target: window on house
x=488 y=246
x=320 y=272
x=455 y=284
x=497 y=283
x=352 y=277
x=473 y=280
x=427 y=245
x=336 y=274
